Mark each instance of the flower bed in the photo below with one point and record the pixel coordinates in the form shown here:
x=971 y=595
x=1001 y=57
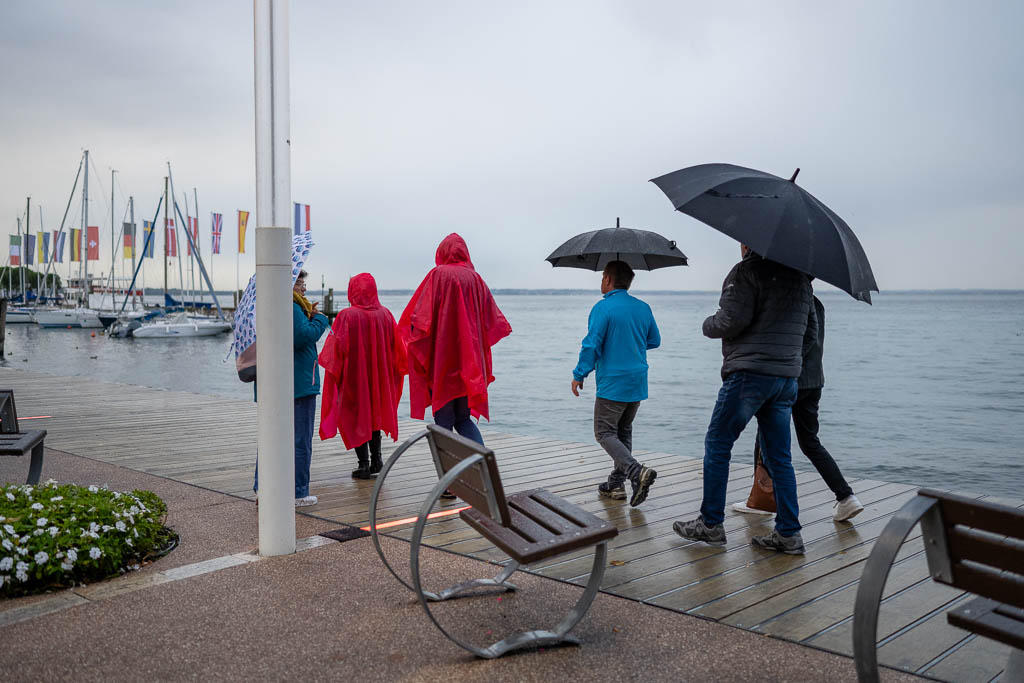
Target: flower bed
x=56 y=535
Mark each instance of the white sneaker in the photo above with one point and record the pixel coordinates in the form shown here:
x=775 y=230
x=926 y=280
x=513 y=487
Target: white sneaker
x=303 y=502
x=745 y=509
x=847 y=509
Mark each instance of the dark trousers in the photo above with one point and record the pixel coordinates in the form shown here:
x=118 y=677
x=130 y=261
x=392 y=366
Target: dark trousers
x=455 y=415
x=744 y=396
x=805 y=421
x=371 y=447
x=613 y=429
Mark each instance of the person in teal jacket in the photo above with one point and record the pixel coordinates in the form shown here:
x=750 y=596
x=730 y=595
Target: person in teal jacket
x=620 y=331
x=308 y=325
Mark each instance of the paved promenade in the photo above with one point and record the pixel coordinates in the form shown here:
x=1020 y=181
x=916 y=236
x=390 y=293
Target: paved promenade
x=175 y=442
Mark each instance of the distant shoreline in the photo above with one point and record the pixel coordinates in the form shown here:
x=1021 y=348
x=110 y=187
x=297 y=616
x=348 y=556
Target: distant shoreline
x=153 y=291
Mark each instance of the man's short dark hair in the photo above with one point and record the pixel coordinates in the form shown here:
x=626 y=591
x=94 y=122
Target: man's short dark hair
x=303 y=274
x=620 y=273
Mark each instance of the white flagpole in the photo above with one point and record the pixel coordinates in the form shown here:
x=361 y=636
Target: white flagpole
x=275 y=409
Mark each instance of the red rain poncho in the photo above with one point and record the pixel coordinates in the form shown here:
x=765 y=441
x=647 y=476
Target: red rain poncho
x=449 y=327
x=364 y=365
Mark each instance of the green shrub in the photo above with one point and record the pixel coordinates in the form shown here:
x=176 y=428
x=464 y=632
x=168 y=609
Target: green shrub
x=56 y=535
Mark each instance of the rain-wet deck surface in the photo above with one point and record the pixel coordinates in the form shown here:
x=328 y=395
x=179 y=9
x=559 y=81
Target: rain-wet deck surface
x=210 y=441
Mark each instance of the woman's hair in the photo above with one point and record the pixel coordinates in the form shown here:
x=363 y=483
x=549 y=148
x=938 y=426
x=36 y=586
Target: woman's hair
x=302 y=274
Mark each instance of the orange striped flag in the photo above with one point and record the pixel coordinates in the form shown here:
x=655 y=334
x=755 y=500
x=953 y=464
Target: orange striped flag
x=243 y=220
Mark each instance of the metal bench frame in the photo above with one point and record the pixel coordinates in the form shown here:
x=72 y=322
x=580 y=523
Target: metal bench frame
x=925 y=508
x=16 y=442
x=480 y=459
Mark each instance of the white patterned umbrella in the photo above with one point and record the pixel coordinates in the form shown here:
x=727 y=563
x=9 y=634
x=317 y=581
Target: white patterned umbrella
x=245 y=314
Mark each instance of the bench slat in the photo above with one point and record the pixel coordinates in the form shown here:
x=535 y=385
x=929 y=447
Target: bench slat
x=542 y=515
x=999 y=553
x=1001 y=586
x=983 y=616
x=978 y=514
x=21 y=442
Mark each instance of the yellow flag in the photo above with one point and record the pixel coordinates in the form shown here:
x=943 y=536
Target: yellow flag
x=243 y=219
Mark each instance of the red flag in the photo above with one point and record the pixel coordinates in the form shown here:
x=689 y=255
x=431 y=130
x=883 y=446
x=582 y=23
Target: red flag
x=170 y=238
x=194 y=229
x=92 y=237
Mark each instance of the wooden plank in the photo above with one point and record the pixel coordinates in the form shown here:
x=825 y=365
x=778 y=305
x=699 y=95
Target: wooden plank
x=978 y=661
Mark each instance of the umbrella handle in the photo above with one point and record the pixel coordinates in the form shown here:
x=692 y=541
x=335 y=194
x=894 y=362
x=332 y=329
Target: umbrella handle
x=792 y=179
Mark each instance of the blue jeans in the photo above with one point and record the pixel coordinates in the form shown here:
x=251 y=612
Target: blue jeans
x=305 y=413
x=745 y=395
x=455 y=415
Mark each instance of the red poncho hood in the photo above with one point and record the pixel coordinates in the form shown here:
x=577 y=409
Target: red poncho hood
x=449 y=327
x=364 y=366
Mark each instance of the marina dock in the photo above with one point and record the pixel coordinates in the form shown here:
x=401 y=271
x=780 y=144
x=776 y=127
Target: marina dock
x=210 y=442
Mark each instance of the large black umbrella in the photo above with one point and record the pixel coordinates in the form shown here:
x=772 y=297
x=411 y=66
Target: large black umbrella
x=641 y=249
x=776 y=218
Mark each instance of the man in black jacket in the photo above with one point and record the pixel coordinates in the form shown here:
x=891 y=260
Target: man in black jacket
x=766 y=321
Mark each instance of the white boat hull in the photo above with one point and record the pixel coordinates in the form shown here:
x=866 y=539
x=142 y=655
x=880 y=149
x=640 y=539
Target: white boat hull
x=68 y=317
x=16 y=316
x=179 y=329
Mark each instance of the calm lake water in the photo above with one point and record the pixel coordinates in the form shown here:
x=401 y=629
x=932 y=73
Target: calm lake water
x=922 y=387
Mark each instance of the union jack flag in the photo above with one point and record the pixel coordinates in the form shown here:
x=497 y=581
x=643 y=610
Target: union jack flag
x=215 y=231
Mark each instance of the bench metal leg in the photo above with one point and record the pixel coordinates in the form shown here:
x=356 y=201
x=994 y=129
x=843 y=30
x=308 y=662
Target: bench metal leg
x=872 y=584
x=559 y=635
x=35 y=468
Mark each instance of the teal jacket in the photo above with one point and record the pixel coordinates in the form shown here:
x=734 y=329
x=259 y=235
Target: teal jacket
x=306 y=332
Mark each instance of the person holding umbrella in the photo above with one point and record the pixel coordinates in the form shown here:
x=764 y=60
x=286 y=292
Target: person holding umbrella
x=620 y=331
x=766 y=322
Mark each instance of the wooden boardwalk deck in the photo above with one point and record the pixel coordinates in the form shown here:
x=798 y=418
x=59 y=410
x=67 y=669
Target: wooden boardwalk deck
x=210 y=442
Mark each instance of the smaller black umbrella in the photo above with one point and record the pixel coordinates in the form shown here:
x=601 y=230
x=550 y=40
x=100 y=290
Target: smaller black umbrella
x=641 y=249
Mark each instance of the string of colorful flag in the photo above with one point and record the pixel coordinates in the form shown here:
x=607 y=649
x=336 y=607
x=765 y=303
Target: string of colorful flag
x=38 y=247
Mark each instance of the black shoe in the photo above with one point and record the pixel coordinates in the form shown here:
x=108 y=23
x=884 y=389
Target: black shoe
x=448 y=495
x=613 y=491
x=642 y=484
x=791 y=545
x=698 y=530
x=362 y=472
x=375 y=465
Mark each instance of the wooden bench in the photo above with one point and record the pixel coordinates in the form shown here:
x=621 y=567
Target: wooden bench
x=972 y=545
x=13 y=441
x=528 y=526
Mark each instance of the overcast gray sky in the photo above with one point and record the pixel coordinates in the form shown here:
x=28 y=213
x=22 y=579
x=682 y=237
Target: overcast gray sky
x=521 y=124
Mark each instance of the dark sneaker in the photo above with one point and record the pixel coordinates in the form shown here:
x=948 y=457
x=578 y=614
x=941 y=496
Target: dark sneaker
x=362 y=473
x=791 y=545
x=613 y=491
x=642 y=484
x=376 y=465
x=697 y=530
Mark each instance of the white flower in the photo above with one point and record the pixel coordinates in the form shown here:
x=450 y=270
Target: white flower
x=37 y=532
x=56 y=498
x=10 y=496
x=67 y=565
x=129 y=542
x=9 y=529
x=135 y=531
x=6 y=564
x=93 y=489
x=24 y=538
x=106 y=528
x=7 y=544
x=42 y=521
x=22 y=551
x=41 y=557
x=21 y=572
x=94 y=527
x=95 y=553
x=37 y=506
x=120 y=526
x=73 y=555
x=53 y=531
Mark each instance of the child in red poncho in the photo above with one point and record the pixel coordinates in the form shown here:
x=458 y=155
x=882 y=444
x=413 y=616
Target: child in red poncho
x=449 y=326
x=364 y=366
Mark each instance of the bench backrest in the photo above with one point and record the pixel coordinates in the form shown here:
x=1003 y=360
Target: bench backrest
x=8 y=413
x=975 y=546
x=480 y=485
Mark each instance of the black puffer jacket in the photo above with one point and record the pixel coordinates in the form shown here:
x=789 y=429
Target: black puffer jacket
x=813 y=374
x=765 y=319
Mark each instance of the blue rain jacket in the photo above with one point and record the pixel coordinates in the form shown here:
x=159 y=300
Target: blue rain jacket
x=306 y=332
x=620 y=331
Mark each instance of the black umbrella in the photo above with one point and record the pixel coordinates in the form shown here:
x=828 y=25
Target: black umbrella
x=641 y=249
x=776 y=218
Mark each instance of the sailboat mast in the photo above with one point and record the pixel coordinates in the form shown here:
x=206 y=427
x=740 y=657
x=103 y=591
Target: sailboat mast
x=113 y=234
x=24 y=243
x=83 y=268
x=131 y=220
x=167 y=203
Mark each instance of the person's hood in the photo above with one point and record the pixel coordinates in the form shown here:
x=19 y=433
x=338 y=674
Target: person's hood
x=752 y=256
x=362 y=291
x=452 y=250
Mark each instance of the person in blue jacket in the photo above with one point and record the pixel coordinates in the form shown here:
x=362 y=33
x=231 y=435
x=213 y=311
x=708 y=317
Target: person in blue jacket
x=308 y=325
x=620 y=331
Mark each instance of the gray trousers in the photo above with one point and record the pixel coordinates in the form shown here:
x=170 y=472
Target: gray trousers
x=613 y=429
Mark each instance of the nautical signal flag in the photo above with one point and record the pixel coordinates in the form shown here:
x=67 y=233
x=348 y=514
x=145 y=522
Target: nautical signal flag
x=301 y=218
x=148 y=240
x=93 y=237
x=30 y=249
x=76 y=244
x=15 y=250
x=216 y=223
x=129 y=240
x=170 y=238
x=243 y=220
x=58 y=246
x=193 y=228
x=43 y=240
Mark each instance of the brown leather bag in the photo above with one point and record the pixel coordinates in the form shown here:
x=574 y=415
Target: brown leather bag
x=762 y=493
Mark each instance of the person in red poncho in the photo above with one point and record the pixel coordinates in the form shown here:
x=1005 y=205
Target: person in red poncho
x=364 y=367
x=449 y=327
